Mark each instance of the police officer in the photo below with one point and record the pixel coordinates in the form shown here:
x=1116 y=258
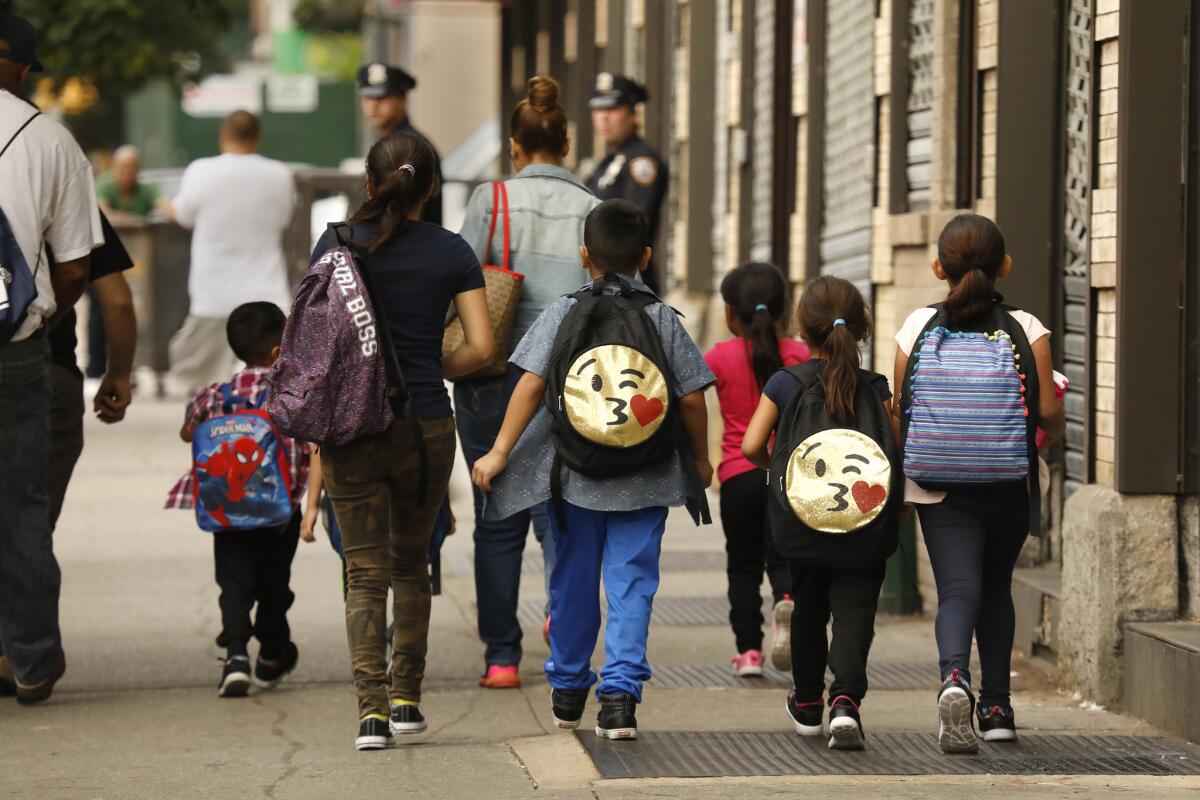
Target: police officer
x=383 y=90
x=632 y=169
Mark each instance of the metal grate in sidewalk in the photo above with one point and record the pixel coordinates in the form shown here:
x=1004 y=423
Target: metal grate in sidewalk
x=882 y=675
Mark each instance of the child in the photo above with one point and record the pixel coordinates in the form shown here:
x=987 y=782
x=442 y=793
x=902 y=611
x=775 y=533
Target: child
x=616 y=523
x=255 y=564
x=841 y=570
x=975 y=532
x=755 y=300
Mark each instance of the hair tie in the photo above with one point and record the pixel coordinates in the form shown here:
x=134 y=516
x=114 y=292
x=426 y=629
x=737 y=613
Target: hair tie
x=761 y=307
x=409 y=168
x=839 y=322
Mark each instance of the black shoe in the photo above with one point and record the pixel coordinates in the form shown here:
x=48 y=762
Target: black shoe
x=845 y=725
x=268 y=674
x=8 y=681
x=235 y=679
x=956 y=712
x=374 y=733
x=31 y=694
x=407 y=720
x=617 y=718
x=806 y=717
x=997 y=724
x=568 y=707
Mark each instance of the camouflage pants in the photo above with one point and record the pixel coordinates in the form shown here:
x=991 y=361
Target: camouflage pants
x=373 y=483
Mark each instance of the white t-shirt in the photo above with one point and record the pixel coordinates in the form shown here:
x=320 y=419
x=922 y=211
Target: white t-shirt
x=238 y=207
x=48 y=195
x=907 y=337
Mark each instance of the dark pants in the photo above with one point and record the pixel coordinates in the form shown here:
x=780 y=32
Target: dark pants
x=66 y=433
x=851 y=597
x=748 y=549
x=29 y=576
x=974 y=539
x=256 y=566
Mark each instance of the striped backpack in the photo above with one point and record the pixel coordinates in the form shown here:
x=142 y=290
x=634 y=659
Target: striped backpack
x=969 y=403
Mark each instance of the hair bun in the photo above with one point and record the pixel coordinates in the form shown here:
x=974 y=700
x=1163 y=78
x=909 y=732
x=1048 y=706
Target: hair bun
x=543 y=93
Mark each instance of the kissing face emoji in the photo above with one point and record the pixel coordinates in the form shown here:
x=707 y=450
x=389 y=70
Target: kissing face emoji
x=615 y=396
x=838 y=480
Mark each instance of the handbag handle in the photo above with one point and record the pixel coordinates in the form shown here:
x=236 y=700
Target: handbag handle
x=500 y=196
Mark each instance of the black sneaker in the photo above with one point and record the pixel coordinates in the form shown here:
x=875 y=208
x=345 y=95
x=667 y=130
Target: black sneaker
x=617 y=718
x=806 y=717
x=407 y=720
x=235 y=680
x=568 y=705
x=268 y=674
x=845 y=725
x=374 y=733
x=956 y=712
x=997 y=724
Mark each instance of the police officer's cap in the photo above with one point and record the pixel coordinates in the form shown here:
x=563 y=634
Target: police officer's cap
x=380 y=80
x=610 y=91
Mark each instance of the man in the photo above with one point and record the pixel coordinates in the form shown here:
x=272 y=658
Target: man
x=121 y=192
x=632 y=170
x=384 y=93
x=48 y=200
x=238 y=205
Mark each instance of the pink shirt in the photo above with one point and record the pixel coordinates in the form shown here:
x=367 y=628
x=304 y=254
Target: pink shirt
x=738 y=393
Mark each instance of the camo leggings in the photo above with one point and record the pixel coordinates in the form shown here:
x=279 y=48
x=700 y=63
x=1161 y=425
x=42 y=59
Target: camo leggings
x=373 y=483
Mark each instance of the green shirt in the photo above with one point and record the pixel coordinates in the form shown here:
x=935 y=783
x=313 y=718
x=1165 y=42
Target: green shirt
x=140 y=203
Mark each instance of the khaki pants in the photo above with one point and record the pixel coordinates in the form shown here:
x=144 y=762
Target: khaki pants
x=200 y=353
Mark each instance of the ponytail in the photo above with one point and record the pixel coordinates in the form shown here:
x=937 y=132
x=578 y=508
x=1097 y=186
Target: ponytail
x=971 y=251
x=757 y=295
x=401 y=169
x=842 y=361
x=971 y=297
x=833 y=317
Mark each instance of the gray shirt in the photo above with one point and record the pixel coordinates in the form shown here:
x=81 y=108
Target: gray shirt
x=526 y=480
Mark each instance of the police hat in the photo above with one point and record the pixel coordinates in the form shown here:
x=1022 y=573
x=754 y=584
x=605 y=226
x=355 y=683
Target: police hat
x=18 y=41
x=380 y=80
x=610 y=91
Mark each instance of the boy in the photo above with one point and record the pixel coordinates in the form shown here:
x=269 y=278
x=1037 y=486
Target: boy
x=252 y=564
x=615 y=524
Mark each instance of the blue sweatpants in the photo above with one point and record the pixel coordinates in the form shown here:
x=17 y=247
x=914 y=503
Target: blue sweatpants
x=624 y=546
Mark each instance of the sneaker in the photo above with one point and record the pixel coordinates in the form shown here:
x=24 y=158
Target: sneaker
x=546 y=629
x=30 y=694
x=374 y=733
x=8 y=680
x=617 y=718
x=781 y=634
x=268 y=674
x=845 y=725
x=806 y=716
x=956 y=707
x=748 y=664
x=568 y=707
x=235 y=679
x=997 y=724
x=501 y=676
x=407 y=719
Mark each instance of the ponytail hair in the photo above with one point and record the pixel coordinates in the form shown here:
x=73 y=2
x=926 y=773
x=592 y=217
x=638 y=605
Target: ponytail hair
x=401 y=167
x=757 y=295
x=833 y=318
x=971 y=251
x=539 y=123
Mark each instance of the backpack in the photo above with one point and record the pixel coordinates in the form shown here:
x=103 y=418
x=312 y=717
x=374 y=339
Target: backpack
x=610 y=391
x=18 y=288
x=835 y=490
x=240 y=469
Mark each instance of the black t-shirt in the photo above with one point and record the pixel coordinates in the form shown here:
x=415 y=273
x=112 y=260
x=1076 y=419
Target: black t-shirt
x=415 y=277
x=782 y=387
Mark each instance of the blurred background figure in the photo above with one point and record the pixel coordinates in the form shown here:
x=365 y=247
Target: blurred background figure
x=121 y=191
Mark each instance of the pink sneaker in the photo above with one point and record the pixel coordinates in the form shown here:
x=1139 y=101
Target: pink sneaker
x=748 y=664
x=501 y=676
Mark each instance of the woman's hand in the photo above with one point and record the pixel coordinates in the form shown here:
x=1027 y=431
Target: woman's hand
x=487 y=468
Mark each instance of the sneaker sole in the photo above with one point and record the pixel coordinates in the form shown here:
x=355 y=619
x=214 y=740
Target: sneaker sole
x=236 y=684
x=845 y=734
x=566 y=724
x=748 y=672
x=485 y=683
x=408 y=728
x=616 y=733
x=781 y=638
x=955 y=733
x=999 y=735
x=372 y=743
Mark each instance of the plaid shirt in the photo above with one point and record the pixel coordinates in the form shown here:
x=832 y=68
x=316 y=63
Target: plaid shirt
x=250 y=383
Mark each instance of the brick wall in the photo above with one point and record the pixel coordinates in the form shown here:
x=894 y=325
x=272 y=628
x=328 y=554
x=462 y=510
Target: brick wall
x=1104 y=245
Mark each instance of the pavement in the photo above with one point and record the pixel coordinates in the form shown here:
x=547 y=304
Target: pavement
x=137 y=715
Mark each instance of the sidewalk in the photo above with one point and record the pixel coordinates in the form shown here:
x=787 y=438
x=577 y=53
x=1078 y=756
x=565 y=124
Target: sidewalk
x=137 y=715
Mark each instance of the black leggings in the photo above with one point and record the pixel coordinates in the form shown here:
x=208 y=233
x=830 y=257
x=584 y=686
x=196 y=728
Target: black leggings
x=748 y=549
x=974 y=538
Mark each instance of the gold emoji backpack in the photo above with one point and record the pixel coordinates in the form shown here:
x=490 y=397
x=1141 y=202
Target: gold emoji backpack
x=835 y=490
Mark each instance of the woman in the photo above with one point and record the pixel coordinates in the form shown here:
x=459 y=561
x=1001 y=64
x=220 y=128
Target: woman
x=417 y=270
x=547 y=207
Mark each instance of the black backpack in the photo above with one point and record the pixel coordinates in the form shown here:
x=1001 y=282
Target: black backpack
x=835 y=491
x=611 y=392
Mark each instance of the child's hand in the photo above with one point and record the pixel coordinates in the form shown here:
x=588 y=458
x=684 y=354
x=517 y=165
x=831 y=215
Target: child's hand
x=487 y=468
x=308 y=523
x=706 y=472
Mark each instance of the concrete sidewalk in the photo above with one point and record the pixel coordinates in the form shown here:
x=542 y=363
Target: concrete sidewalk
x=137 y=715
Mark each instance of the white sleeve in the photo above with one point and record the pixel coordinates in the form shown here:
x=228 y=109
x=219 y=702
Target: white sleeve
x=906 y=337
x=1034 y=329
x=74 y=227
x=184 y=203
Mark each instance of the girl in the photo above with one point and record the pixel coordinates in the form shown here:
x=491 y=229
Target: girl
x=833 y=322
x=975 y=535
x=755 y=302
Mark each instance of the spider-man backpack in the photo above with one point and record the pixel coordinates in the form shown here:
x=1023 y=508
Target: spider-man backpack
x=240 y=469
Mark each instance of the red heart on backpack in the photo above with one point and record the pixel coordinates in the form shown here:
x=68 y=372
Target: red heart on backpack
x=868 y=495
x=646 y=409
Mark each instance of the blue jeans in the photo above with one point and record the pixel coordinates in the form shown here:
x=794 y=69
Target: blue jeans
x=29 y=574
x=625 y=547
x=479 y=409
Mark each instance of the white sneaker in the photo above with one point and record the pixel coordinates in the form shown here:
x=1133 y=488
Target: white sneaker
x=781 y=634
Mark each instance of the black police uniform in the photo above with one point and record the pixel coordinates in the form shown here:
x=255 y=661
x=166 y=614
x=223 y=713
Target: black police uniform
x=380 y=80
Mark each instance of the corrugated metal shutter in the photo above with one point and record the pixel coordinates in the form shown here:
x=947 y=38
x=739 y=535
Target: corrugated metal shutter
x=920 y=104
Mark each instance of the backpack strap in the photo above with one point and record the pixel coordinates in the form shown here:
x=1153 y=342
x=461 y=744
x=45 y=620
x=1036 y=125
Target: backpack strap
x=18 y=132
x=228 y=399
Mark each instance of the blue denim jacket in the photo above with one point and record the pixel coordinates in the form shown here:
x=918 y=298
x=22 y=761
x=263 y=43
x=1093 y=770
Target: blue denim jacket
x=547 y=206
